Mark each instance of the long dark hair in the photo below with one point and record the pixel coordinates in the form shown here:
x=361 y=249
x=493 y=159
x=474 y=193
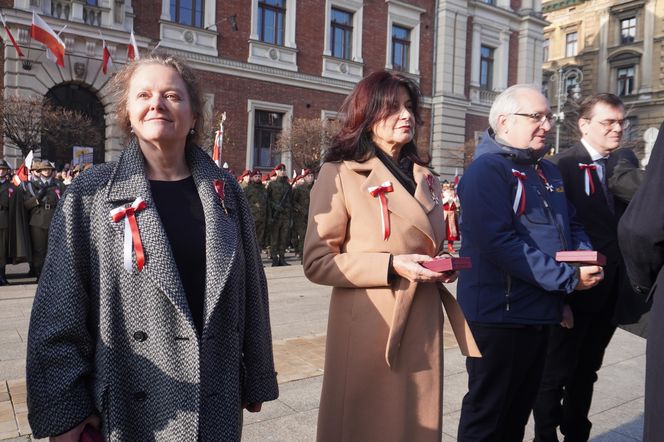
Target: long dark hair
x=374 y=98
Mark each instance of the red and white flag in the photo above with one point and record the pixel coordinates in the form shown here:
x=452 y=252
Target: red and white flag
x=132 y=48
x=219 y=141
x=23 y=172
x=9 y=34
x=106 y=60
x=456 y=176
x=43 y=33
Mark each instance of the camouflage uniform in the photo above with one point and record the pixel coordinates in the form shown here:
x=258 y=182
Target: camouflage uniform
x=279 y=196
x=301 y=213
x=256 y=195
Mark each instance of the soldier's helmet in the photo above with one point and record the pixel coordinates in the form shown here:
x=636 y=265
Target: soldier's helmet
x=43 y=165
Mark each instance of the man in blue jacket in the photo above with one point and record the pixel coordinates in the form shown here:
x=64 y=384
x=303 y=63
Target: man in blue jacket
x=514 y=218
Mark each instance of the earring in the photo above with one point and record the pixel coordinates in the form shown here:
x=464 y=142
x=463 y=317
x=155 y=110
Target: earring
x=131 y=130
x=192 y=131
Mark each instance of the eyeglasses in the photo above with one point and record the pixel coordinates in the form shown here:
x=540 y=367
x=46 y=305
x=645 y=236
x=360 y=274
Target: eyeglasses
x=608 y=124
x=540 y=118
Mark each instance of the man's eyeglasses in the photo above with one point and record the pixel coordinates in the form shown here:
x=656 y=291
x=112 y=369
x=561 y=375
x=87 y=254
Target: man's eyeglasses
x=540 y=118
x=609 y=124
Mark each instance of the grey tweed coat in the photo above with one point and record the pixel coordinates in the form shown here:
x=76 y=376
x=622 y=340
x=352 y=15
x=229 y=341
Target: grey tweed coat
x=124 y=344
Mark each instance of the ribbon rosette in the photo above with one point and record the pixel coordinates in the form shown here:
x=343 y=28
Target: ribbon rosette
x=519 y=205
x=380 y=191
x=589 y=186
x=219 y=187
x=132 y=237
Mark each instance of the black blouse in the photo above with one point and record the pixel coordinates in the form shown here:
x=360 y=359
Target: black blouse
x=182 y=216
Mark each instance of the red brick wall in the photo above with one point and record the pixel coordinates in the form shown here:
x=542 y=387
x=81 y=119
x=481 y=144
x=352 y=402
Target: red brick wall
x=230 y=44
x=513 y=67
x=146 y=18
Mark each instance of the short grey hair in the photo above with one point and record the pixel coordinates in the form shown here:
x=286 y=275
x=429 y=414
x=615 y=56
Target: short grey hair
x=507 y=102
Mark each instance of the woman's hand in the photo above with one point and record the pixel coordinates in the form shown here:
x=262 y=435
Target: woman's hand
x=408 y=266
x=253 y=407
x=74 y=435
x=589 y=277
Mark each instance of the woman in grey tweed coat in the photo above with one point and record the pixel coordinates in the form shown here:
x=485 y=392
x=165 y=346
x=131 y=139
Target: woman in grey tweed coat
x=118 y=339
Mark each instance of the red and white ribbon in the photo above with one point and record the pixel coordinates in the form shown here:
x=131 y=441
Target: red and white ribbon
x=219 y=187
x=380 y=191
x=589 y=186
x=57 y=193
x=132 y=236
x=519 y=205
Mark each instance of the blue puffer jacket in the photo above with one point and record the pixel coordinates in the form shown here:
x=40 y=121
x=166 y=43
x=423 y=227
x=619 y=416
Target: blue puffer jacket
x=515 y=278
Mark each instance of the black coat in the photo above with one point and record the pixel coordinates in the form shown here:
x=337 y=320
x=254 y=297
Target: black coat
x=641 y=234
x=614 y=292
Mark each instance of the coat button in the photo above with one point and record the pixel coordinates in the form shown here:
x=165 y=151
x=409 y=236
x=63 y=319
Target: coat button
x=140 y=336
x=140 y=396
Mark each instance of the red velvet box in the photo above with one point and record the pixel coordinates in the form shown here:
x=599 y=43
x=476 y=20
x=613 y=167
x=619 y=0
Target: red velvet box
x=447 y=264
x=585 y=257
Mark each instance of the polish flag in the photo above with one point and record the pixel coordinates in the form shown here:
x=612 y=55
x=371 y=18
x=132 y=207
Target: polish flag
x=9 y=34
x=23 y=172
x=132 y=48
x=106 y=60
x=456 y=176
x=43 y=33
x=219 y=141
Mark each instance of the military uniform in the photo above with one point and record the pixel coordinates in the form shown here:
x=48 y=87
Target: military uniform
x=301 y=213
x=279 y=197
x=256 y=194
x=7 y=193
x=40 y=200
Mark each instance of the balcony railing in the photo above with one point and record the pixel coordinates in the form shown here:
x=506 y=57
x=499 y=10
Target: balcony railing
x=482 y=96
x=77 y=11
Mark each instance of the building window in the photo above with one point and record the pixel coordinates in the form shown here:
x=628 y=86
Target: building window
x=92 y=2
x=341 y=34
x=267 y=127
x=271 y=19
x=627 y=30
x=486 y=67
x=545 y=50
x=187 y=12
x=489 y=2
x=630 y=132
x=571 y=44
x=400 y=48
x=625 y=80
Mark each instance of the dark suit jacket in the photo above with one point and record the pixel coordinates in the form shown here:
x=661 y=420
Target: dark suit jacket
x=614 y=292
x=642 y=242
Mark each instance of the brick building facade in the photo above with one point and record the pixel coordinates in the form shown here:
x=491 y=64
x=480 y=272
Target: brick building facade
x=263 y=62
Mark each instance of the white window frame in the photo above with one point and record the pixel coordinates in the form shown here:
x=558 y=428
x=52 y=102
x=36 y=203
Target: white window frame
x=408 y=16
x=266 y=54
x=355 y=8
x=252 y=107
x=187 y=38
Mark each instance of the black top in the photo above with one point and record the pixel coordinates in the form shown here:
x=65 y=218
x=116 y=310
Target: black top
x=182 y=216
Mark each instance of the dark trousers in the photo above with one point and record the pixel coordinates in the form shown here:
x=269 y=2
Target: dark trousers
x=279 y=236
x=573 y=359
x=503 y=383
x=39 y=239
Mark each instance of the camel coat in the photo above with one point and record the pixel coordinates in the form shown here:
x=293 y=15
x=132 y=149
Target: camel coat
x=384 y=352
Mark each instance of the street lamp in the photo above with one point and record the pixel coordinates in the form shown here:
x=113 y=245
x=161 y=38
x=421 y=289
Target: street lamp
x=563 y=75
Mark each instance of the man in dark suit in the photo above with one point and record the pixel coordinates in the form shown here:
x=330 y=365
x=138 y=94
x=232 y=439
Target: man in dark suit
x=575 y=354
x=641 y=232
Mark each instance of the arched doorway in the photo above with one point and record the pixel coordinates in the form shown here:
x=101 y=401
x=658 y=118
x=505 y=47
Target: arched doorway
x=76 y=97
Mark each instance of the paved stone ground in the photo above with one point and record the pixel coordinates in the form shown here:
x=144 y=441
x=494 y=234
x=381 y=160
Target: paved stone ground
x=299 y=316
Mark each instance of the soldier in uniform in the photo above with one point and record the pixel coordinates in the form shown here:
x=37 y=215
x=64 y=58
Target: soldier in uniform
x=256 y=195
x=40 y=200
x=244 y=178
x=6 y=195
x=279 y=196
x=301 y=208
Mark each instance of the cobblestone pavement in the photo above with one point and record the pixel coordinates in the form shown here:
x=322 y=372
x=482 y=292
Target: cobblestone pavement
x=299 y=318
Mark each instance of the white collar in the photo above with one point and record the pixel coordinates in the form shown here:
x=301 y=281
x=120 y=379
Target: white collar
x=594 y=155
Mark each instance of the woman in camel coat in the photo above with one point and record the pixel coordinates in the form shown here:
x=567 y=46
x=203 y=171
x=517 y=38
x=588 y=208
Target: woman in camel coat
x=374 y=217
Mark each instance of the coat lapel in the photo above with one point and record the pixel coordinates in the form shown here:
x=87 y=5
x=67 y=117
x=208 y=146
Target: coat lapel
x=399 y=202
x=129 y=182
x=221 y=235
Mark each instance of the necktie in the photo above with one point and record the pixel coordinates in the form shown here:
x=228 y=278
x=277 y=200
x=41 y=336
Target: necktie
x=601 y=173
